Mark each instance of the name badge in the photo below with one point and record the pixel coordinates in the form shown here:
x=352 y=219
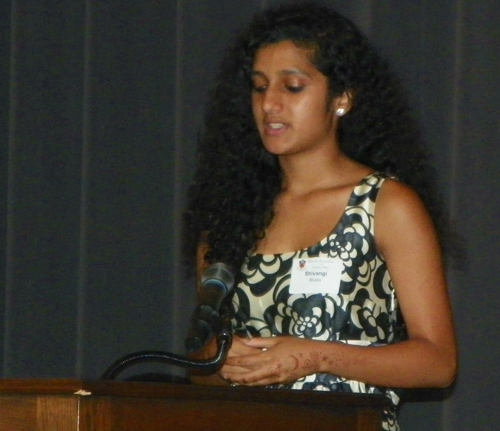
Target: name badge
x=316 y=275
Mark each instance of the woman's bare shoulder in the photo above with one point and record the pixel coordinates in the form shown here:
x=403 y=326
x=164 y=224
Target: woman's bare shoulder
x=401 y=216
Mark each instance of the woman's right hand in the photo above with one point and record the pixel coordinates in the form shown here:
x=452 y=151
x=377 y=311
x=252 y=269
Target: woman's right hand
x=238 y=348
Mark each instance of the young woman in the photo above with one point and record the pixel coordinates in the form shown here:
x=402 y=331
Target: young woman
x=313 y=185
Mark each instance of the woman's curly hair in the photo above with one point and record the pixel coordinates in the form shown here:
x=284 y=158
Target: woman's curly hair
x=237 y=180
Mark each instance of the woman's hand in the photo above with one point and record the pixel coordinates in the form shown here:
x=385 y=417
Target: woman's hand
x=239 y=348
x=265 y=361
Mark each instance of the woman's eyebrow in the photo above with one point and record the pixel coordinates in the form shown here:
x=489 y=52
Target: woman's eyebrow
x=284 y=72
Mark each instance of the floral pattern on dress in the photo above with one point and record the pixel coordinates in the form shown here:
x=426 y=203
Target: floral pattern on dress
x=361 y=310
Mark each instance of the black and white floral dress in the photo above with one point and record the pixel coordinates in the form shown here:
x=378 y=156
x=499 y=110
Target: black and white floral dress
x=361 y=310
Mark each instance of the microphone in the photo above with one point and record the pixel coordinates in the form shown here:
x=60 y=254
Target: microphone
x=216 y=283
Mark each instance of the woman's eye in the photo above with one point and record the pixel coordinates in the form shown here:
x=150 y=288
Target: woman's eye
x=258 y=88
x=294 y=88
x=290 y=88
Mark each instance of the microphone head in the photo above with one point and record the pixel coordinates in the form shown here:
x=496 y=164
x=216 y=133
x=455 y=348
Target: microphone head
x=216 y=283
x=218 y=274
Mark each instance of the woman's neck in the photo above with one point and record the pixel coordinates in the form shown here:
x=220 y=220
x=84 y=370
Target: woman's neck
x=302 y=175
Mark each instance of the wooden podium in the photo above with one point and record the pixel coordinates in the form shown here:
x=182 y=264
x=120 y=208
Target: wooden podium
x=76 y=405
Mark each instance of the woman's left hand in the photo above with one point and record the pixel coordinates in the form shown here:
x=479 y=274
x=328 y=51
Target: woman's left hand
x=281 y=360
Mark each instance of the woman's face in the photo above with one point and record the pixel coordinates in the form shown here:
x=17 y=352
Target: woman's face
x=291 y=107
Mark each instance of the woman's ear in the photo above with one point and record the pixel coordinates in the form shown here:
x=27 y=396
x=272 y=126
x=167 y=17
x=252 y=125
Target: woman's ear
x=342 y=104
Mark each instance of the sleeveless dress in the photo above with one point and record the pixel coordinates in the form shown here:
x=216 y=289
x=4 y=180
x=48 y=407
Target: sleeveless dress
x=361 y=310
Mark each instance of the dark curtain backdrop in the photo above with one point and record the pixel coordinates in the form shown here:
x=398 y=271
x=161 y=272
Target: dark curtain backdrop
x=100 y=106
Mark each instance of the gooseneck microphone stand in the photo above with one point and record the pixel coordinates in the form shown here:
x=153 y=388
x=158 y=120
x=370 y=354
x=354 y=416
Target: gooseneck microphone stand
x=223 y=336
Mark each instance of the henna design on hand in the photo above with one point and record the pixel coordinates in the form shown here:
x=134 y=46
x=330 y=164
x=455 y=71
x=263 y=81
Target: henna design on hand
x=312 y=362
x=297 y=363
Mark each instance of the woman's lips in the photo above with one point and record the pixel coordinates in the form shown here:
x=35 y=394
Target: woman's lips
x=274 y=128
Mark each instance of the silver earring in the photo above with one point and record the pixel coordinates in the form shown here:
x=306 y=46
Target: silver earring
x=339 y=112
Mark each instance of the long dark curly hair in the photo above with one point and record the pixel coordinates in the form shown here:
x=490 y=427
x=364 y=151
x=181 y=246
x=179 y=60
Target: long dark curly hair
x=237 y=181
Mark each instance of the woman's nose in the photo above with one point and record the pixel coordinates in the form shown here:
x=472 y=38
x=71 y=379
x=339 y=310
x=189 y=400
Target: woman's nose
x=272 y=101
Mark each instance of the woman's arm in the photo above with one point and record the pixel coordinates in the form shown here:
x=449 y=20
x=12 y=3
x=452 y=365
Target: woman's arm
x=406 y=238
